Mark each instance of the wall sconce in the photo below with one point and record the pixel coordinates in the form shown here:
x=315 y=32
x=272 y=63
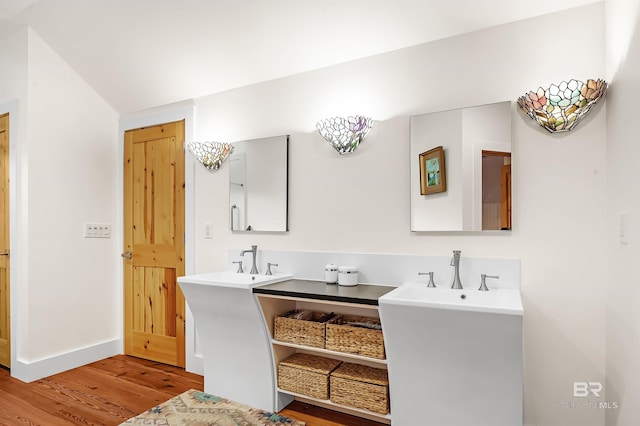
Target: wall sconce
x=210 y=154
x=560 y=107
x=345 y=134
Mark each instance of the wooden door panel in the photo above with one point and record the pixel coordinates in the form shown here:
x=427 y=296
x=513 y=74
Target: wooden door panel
x=154 y=300
x=154 y=234
x=155 y=254
x=153 y=192
x=154 y=347
x=5 y=323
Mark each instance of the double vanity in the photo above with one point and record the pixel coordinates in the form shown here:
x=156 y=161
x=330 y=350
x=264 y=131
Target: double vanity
x=453 y=357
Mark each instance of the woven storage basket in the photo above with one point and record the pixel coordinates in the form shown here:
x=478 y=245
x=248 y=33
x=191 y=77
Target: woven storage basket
x=306 y=374
x=361 y=386
x=301 y=332
x=363 y=341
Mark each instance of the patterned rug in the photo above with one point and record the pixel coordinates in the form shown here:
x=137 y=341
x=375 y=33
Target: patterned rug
x=195 y=408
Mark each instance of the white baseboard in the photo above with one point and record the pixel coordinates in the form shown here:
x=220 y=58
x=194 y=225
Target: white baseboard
x=30 y=371
x=195 y=365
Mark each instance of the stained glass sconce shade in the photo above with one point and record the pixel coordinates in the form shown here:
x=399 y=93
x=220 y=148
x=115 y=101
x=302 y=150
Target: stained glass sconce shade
x=560 y=107
x=210 y=154
x=345 y=134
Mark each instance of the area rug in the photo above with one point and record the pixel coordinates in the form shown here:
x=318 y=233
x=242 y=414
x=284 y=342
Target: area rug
x=195 y=408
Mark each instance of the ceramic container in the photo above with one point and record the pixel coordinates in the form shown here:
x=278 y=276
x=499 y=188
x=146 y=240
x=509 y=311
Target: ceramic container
x=348 y=275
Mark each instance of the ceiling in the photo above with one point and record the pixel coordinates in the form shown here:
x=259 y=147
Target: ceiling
x=139 y=54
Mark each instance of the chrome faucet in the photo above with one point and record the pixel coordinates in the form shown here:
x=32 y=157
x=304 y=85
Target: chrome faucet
x=269 y=265
x=239 y=263
x=431 y=283
x=455 y=262
x=254 y=250
x=483 y=281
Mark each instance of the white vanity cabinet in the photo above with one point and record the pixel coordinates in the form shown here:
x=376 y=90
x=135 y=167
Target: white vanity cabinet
x=276 y=299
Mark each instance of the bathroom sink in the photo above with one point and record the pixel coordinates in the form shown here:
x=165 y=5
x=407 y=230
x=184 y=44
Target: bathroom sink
x=233 y=280
x=233 y=340
x=497 y=301
x=454 y=357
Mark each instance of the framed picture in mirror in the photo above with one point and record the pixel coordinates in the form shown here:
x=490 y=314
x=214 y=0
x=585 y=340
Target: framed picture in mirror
x=432 y=171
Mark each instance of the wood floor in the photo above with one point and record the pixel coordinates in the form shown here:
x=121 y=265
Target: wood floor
x=110 y=391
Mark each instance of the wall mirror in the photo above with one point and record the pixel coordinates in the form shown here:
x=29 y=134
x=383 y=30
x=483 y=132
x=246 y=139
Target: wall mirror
x=258 y=185
x=476 y=142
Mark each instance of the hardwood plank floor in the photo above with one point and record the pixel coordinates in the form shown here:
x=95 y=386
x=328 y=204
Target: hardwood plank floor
x=110 y=391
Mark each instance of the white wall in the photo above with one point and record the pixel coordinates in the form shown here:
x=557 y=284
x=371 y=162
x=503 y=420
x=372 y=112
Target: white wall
x=623 y=152
x=559 y=182
x=65 y=289
x=13 y=56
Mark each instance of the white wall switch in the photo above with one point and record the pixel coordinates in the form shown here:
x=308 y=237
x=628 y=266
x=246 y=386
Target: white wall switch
x=208 y=230
x=97 y=230
x=624 y=227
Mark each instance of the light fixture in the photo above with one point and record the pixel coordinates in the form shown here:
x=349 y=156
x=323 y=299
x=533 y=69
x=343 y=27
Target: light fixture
x=210 y=154
x=345 y=134
x=560 y=107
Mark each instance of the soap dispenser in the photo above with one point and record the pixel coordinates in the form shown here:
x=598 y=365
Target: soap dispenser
x=331 y=273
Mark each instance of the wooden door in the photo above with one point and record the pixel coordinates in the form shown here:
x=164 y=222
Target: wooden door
x=505 y=197
x=5 y=323
x=154 y=243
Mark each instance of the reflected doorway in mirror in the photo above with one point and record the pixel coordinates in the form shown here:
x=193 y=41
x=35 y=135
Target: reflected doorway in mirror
x=432 y=171
x=496 y=190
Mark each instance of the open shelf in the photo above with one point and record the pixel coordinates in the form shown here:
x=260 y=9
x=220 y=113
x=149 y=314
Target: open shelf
x=332 y=354
x=326 y=403
x=273 y=305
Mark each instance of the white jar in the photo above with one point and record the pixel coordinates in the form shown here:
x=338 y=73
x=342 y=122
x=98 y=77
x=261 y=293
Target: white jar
x=331 y=273
x=348 y=275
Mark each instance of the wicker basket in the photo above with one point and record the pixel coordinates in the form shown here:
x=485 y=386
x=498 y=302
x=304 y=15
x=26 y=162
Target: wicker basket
x=306 y=374
x=361 y=386
x=301 y=332
x=343 y=337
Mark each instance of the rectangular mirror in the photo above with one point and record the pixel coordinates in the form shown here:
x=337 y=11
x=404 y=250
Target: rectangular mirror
x=258 y=185
x=476 y=142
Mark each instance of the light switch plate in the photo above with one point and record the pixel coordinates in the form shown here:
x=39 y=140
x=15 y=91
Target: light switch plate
x=97 y=230
x=208 y=230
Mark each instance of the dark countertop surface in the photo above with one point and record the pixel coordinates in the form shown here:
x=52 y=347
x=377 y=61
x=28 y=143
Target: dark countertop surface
x=365 y=294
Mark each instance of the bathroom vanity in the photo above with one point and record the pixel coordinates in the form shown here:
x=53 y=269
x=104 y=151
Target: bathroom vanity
x=278 y=298
x=456 y=354
x=452 y=357
x=237 y=359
